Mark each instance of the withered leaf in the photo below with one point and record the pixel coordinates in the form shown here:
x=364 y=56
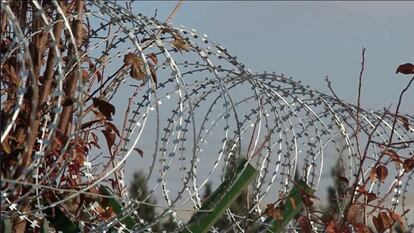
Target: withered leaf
x=79 y=155
x=10 y=73
x=89 y=124
x=113 y=127
x=110 y=137
x=96 y=72
x=382 y=172
x=166 y=30
x=98 y=75
x=104 y=107
x=355 y=214
x=140 y=152
x=304 y=224
x=137 y=66
x=107 y=214
x=361 y=228
x=373 y=175
x=180 y=44
x=136 y=73
x=7 y=105
x=408 y=164
x=94 y=140
x=98 y=115
x=378 y=224
x=307 y=200
x=153 y=73
x=406 y=123
x=331 y=227
x=406 y=68
x=153 y=58
x=393 y=156
x=371 y=196
x=385 y=219
x=362 y=190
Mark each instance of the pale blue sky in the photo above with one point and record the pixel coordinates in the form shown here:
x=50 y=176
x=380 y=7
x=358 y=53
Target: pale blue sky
x=308 y=40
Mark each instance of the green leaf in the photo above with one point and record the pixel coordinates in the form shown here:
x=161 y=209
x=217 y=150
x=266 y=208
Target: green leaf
x=117 y=207
x=221 y=199
x=45 y=226
x=6 y=225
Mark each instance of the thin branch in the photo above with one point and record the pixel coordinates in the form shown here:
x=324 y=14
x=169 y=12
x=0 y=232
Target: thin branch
x=398 y=108
x=359 y=101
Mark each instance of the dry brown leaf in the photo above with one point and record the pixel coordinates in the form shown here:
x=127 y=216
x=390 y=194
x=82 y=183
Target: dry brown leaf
x=371 y=196
x=96 y=72
x=393 y=155
x=373 y=175
x=153 y=58
x=94 y=140
x=385 y=219
x=7 y=105
x=137 y=66
x=406 y=123
x=89 y=124
x=408 y=164
x=104 y=107
x=107 y=214
x=9 y=73
x=378 y=224
x=98 y=75
x=113 y=127
x=180 y=44
x=331 y=227
x=304 y=224
x=153 y=73
x=361 y=228
x=140 y=152
x=355 y=214
x=382 y=172
x=406 y=68
x=79 y=153
x=110 y=137
x=362 y=190
x=99 y=115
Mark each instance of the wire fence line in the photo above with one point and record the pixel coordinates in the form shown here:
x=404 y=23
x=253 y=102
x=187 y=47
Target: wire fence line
x=196 y=103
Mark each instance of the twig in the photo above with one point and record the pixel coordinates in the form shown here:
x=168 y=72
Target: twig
x=359 y=101
x=398 y=108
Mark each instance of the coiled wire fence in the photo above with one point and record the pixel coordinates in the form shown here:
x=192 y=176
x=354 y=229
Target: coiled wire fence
x=182 y=102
